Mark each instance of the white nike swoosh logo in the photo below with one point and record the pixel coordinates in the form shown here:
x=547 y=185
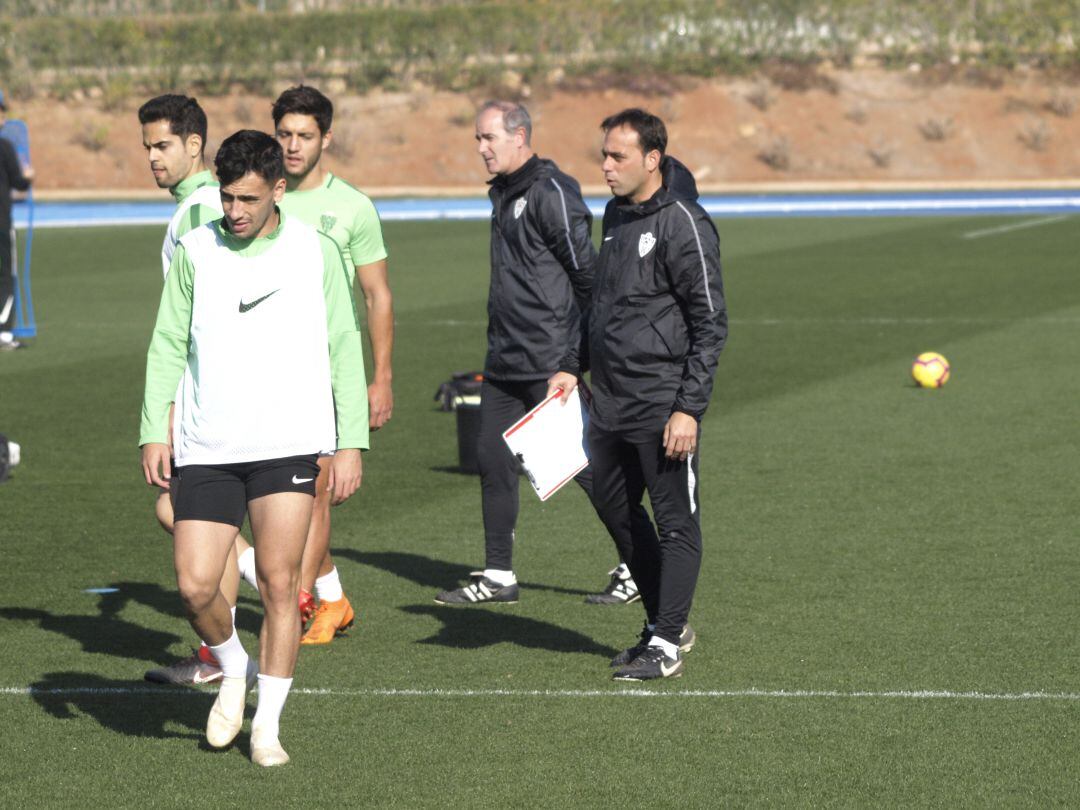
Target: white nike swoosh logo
x=199 y=678
x=668 y=670
x=296 y=480
x=608 y=238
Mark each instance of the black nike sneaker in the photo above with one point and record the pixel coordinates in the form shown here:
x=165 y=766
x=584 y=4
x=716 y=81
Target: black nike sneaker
x=687 y=639
x=651 y=665
x=630 y=653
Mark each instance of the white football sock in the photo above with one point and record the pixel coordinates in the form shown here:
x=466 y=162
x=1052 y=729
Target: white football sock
x=328 y=587
x=621 y=571
x=272 y=694
x=231 y=656
x=670 y=650
x=231 y=610
x=246 y=564
x=503 y=578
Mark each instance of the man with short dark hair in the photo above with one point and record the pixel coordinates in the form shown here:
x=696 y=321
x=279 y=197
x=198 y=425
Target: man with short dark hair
x=257 y=329
x=174 y=136
x=542 y=259
x=13 y=175
x=174 y=131
x=657 y=325
x=303 y=120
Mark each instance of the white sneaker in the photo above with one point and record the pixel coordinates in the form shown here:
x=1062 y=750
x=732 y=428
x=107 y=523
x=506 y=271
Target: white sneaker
x=266 y=750
x=227 y=713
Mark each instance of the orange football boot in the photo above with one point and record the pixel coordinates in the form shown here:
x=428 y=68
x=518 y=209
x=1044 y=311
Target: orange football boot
x=331 y=619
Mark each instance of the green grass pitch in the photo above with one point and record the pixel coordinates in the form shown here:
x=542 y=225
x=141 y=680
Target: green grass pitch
x=866 y=543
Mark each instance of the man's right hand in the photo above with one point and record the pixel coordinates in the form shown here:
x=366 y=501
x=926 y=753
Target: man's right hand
x=562 y=381
x=157 y=470
x=346 y=470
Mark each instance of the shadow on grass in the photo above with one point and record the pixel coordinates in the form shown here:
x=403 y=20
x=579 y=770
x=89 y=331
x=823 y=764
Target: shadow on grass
x=431 y=573
x=109 y=634
x=106 y=635
x=474 y=627
x=127 y=707
x=167 y=602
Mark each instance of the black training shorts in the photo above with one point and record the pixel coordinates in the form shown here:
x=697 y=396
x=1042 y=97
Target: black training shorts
x=220 y=492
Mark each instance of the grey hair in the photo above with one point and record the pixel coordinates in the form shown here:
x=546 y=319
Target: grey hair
x=515 y=116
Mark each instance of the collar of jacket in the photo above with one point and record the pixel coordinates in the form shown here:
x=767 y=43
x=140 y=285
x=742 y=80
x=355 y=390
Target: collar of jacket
x=677 y=184
x=510 y=185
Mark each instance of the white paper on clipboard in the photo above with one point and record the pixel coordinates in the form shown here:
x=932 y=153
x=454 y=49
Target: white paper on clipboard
x=549 y=441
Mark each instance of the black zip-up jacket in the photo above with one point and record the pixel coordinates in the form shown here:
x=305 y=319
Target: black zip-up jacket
x=658 y=320
x=542 y=260
x=11 y=177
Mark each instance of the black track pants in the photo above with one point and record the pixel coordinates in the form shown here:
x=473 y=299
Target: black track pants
x=664 y=560
x=7 y=280
x=502 y=403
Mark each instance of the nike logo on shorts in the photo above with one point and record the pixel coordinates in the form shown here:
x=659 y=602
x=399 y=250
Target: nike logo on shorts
x=296 y=480
x=245 y=307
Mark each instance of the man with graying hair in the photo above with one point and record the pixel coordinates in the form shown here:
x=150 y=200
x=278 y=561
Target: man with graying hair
x=542 y=259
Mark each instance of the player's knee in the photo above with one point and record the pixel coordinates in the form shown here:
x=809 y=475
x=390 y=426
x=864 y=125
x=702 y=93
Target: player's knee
x=279 y=589
x=196 y=594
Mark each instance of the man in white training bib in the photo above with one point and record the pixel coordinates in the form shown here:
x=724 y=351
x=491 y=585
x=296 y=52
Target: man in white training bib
x=257 y=327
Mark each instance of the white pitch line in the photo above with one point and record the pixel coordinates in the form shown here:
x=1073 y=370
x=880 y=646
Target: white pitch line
x=1016 y=226
x=782 y=694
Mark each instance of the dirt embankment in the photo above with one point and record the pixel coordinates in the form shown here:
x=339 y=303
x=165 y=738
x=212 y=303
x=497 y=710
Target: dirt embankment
x=866 y=126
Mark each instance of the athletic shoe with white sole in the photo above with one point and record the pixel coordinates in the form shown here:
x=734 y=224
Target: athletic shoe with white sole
x=8 y=342
x=479 y=589
x=621 y=590
x=266 y=749
x=198 y=668
x=227 y=714
x=651 y=665
x=687 y=639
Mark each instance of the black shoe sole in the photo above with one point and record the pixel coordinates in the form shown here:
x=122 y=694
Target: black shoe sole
x=643 y=680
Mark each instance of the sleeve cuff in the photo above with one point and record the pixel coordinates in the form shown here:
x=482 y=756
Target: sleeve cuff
x=353 y=443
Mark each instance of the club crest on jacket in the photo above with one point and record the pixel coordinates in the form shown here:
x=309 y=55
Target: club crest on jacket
x=519 y=206
x=645 y=244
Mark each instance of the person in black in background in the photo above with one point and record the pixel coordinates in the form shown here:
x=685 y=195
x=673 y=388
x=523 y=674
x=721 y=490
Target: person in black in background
x=542 y=259
x=12 y=176
x=656 y=327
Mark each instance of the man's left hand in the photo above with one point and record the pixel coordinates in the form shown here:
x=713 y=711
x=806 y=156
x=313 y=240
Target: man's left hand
x=562 y=382
x=345 y=473
x=380 y=404
x=680 y=436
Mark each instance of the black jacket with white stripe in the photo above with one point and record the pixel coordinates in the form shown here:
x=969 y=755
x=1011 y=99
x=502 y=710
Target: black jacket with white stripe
x=542 y=261
x=658 y=320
